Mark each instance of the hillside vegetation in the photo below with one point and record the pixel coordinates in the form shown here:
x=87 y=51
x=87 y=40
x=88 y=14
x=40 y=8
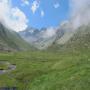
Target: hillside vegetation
x=79 y=41
x=47 y=71
x=11 y=41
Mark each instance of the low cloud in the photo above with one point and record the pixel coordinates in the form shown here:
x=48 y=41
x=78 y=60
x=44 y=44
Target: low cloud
x=49 y=32
x=80 y=12
x=13 y=18
x=35 y=6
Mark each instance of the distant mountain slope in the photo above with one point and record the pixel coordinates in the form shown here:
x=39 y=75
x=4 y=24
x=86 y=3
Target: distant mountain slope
x=10 y=40
x=79 y=41
x=65 y=32
x=41 y=39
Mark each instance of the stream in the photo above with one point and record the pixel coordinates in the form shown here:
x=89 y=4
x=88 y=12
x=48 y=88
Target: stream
x=10 y=67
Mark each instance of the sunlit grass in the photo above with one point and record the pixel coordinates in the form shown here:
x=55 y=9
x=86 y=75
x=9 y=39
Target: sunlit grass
x=47 y=71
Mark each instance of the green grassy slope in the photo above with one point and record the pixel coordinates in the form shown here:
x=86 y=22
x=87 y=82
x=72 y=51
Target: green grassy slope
x=47 y=71
x=10 y=40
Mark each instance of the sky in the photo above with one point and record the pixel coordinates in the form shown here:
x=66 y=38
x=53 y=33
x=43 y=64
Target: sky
x=37 y=13
x=43 y=13
x=20 y=14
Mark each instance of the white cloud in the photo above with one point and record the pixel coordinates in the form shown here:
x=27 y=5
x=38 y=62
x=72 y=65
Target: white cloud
x=25 y=2
x=50 y=32
x=56 y=5
x=13 y=18
x=42 y=13
x=35 y=6
x=80 y=12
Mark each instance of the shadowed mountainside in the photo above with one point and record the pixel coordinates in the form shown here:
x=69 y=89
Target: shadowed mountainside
x=10 y=40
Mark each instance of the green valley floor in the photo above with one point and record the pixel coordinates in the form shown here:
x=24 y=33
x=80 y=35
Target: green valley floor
x=42 y=70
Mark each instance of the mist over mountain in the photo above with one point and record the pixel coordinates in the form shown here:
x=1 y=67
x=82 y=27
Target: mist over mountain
x=79 y=12
x=39 y=38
